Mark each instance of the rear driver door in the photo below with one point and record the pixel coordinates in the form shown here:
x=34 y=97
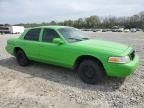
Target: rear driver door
x=30 y=43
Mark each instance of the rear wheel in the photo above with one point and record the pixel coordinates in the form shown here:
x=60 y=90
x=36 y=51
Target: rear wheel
x=21 y=58
x=90 y=71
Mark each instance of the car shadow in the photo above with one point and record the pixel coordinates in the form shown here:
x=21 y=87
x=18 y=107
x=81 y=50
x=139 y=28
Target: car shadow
x=61 y=75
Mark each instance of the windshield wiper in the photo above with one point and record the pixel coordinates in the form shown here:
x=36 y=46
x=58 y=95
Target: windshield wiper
x=85 y=38
x=75 y=39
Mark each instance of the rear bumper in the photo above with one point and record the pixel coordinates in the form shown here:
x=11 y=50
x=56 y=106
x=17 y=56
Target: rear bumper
x=122 y=70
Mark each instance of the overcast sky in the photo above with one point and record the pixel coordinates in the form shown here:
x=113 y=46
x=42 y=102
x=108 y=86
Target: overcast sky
x=23 y=11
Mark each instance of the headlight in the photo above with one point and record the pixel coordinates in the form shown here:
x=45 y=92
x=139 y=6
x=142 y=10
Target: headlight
x=124 y=59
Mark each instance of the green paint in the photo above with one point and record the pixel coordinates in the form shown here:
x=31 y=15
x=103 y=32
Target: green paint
x=63 y=53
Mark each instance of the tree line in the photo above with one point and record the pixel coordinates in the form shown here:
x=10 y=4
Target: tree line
x=96 y=22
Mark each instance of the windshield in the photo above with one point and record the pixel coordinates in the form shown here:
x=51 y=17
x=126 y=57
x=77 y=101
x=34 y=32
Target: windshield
x=72 y=34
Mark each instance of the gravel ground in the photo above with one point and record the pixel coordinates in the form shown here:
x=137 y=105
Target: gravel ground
x=45 y=86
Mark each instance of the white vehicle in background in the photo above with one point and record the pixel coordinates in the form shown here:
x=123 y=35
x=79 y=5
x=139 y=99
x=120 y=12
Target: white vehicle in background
x=120 y=29
x=16 y=29
x=133 y=30
x=126 y=30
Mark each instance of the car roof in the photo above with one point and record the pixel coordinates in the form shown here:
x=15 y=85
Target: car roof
x=52 y=27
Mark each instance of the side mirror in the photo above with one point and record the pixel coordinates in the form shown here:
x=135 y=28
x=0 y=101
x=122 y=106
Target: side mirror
x=58 y=41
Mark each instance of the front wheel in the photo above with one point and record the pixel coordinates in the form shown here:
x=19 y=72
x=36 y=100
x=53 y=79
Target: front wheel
x=90 y=71
x=21 y=58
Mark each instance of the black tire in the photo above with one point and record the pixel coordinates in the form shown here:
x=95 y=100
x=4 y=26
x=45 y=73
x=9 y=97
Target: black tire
x=22 y=60
x=90 y=71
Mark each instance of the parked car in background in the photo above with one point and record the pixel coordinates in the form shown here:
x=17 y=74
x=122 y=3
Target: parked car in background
x=126 y=30
x=85 y=30
x=69 y=47
x=133 y=30
x=139 y=29
x=104 y=30
x=120 y=29
x=114 y=30
x=96 y=30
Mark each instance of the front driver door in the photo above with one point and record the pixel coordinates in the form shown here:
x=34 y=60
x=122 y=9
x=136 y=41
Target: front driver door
x=51 y=52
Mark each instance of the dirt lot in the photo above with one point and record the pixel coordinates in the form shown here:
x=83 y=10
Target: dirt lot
x=44 y=86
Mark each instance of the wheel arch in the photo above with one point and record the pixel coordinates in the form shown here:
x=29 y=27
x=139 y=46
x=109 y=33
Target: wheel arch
x=17 y=49
x=87 y=57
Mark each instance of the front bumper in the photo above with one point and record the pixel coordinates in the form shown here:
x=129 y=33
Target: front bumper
x=122 y=70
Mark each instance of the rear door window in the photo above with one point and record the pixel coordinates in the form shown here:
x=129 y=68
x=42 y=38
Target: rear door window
x=33 y=34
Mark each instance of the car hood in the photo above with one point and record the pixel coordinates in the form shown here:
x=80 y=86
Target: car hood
x=102 y=45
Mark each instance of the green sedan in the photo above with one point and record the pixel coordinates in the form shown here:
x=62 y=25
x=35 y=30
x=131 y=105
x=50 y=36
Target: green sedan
x=70 y=48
